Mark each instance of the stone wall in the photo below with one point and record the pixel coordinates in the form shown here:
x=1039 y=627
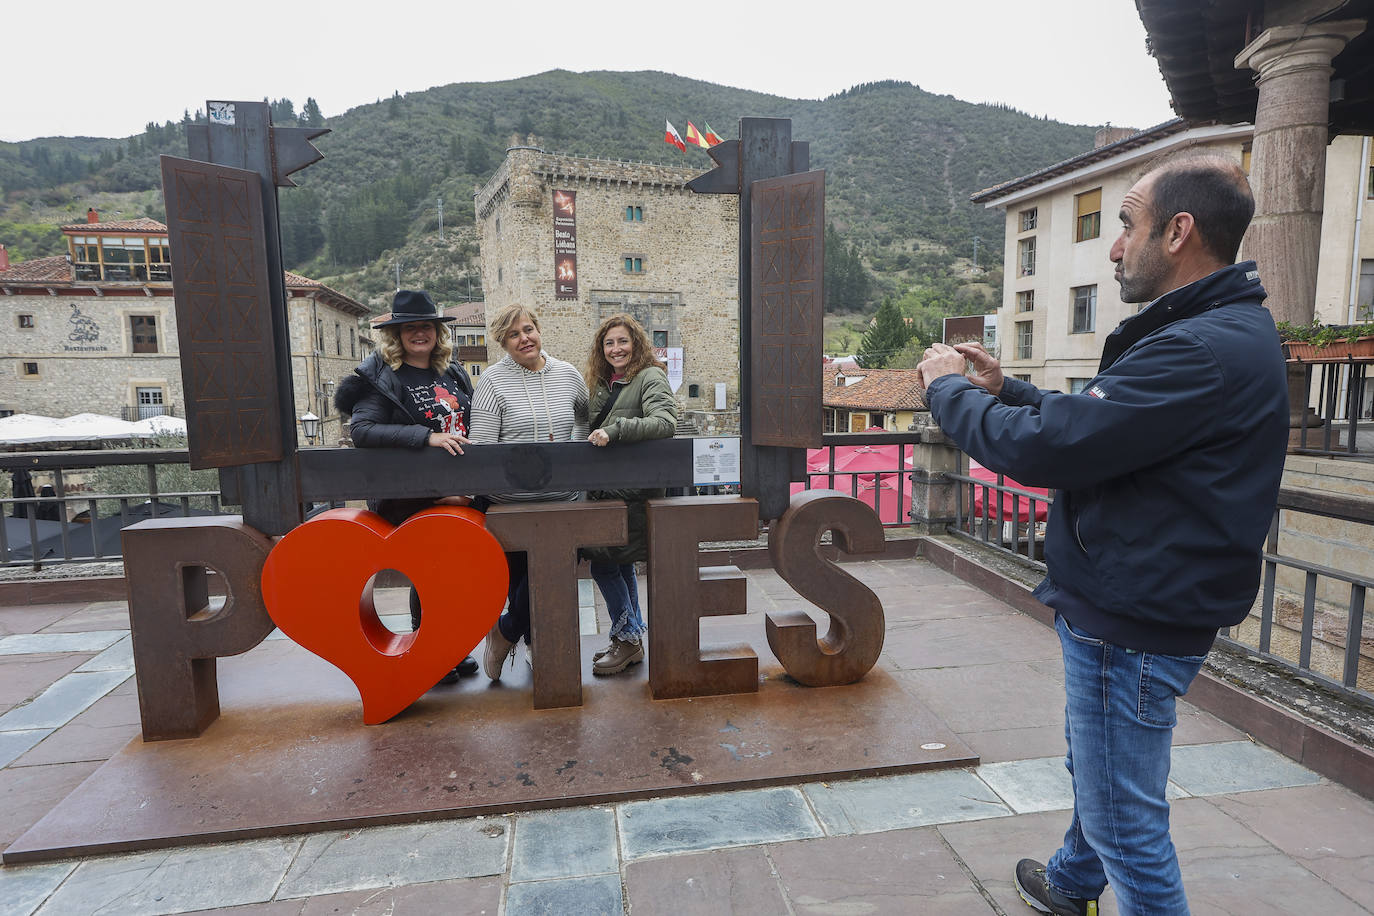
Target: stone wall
x=83 y=348
x=686 y=243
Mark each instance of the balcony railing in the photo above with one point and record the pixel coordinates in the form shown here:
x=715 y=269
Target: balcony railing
x=144 y=411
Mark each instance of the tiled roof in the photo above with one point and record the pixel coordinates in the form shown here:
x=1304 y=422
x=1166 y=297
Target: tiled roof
x=468 y=314
x=879 y=389
x=38 y=270
x=142 y=224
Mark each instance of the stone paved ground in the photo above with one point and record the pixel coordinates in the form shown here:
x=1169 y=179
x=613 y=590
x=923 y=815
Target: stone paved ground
x=1257 y=834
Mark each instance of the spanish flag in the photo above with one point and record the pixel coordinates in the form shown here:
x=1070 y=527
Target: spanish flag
x=712 y=138
x=672 y=138
x=694 y=136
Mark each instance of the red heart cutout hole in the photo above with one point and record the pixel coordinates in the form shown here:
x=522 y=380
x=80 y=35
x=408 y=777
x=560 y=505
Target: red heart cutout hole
x=316 y=585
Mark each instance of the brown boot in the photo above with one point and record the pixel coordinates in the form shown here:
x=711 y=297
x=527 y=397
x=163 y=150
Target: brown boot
x=618 y=657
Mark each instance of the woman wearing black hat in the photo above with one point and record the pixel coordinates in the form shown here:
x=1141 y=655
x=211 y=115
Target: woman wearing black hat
x=410 y=394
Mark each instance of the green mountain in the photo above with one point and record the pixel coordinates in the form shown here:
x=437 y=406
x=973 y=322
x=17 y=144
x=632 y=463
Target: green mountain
x=901 y=164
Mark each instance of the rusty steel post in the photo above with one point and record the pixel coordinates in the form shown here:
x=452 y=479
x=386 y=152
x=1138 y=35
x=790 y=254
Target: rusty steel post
x=550 y=534
x=680 y=594
x=176 y=634
x=855 y=639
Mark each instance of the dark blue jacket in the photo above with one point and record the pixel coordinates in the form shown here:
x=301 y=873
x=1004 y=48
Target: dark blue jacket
x=1167 y=467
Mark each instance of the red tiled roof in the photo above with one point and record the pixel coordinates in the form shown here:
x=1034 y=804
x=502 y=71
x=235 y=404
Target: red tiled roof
x=879 y=389
x=38 y=270
x=468 y=314
x=142 y=224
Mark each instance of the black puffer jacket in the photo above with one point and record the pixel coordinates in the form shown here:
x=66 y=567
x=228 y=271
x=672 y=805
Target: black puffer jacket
x=376 y=402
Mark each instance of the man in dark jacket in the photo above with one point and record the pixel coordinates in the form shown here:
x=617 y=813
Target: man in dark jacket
x=1167 y=471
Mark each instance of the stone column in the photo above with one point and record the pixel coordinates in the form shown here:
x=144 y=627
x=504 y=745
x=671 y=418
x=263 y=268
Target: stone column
x=1288 y=168
x=933 y=494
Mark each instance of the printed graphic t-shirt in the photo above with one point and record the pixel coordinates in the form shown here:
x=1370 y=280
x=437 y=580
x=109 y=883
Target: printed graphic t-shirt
x=432 y=402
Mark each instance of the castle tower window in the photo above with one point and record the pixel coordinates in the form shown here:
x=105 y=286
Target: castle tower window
x=634 y=265
x=634 y=214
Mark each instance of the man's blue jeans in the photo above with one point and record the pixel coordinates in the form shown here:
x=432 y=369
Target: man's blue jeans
x=621 y=591
x=1119 y=723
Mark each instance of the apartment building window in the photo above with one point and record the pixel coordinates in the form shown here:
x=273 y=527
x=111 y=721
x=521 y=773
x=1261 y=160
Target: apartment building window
x=338 y=339
x=634 y=214
x=319 y=336
x=1025 y=256
x=1023 y=377
x=475 y=371
x=634 y=265
x=1078 y=385
x=352 y=343
x=694 y=391
x=29 y=370
x=25 y=322
x=1245 y=158
x=143 y=333
x=1084 y=309
x=1025 y=338
x=1029 y=219
x=660 y=338
x=1364 y=302
x=1088 y=212
x=1025 y=300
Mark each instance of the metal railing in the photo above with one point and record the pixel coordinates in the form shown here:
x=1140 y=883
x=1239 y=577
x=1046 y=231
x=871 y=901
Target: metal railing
x=1344 y=396
x=875 y=468
x=144 y=411
x=1001 y=515
x=65 y=522
x=1304 y=635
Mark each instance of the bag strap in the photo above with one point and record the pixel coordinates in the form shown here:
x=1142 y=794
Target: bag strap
x=606 y=408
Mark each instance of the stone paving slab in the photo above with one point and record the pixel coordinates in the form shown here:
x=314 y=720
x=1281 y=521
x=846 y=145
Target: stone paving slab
x=96 y=734
x=468 y=896
x=896 y=802
x=598 y=896
x=1236 y=766
x=701 y=884
x=668 y=826
x=387 y=856
x=902 y=872
x=571 y=843
x=1041 y=784
x=175 y=881
x=63 y=701
x=13 y=744
x=119 y=657
x=1326 y=828
x=23 y=677
x=38 y=643
x=24 y=888
x=31 y=618
x=27 y=793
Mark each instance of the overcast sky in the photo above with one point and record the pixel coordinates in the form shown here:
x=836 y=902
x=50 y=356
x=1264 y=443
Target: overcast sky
x=96 y=69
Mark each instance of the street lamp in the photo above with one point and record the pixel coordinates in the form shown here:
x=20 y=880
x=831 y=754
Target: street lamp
x=310 y=425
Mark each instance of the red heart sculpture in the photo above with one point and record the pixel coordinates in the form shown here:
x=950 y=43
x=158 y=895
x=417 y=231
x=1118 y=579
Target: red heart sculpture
x=318 y=574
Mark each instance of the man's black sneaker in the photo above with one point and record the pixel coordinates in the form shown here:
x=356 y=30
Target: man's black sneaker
x=1034 y=888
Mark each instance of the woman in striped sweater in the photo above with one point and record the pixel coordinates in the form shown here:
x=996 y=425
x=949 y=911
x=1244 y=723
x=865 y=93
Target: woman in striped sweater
x=528 y=396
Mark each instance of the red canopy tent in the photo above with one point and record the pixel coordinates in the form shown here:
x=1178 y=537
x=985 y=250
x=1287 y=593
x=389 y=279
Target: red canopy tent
x=1013 y=506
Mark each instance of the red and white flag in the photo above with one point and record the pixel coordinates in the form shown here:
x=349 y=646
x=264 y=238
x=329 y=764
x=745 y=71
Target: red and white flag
x=671 y=137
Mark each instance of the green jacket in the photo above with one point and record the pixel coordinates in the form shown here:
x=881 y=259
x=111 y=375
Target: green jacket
x=644 y=409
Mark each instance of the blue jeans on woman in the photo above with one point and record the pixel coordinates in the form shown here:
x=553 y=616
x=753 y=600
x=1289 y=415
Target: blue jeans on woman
x=621 y=591
x=1119 y=721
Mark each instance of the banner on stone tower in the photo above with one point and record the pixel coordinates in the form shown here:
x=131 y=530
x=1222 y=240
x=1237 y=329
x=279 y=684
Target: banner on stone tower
x=564 y=245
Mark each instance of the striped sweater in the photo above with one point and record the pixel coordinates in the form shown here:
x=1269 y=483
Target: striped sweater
x=513 y=404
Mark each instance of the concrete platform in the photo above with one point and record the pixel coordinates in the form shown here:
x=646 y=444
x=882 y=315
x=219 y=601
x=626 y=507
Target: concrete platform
x=290 y=754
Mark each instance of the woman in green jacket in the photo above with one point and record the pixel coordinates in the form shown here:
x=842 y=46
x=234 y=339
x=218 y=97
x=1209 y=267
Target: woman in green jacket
x=630 y=402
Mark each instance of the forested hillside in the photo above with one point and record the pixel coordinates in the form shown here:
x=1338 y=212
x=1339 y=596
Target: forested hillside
x=901 y=164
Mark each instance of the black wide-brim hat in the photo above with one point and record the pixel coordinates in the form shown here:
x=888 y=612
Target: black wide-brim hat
x=412 y=305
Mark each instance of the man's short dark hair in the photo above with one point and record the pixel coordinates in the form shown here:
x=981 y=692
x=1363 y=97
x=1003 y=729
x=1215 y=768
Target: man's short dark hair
x=1215 y=191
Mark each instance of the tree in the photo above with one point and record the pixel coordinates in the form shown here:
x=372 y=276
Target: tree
x=311 y=115
x=888 y=334
x=479 y=160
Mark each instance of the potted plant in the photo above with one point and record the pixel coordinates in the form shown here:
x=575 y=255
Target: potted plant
x=1329 y=343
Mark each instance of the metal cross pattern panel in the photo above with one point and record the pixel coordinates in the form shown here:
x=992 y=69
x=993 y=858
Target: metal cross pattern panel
x=224 y=312
x=786 y=309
